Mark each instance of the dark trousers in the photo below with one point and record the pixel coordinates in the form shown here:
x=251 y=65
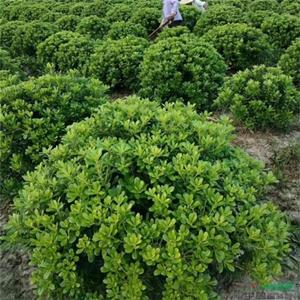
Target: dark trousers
x=176 y=23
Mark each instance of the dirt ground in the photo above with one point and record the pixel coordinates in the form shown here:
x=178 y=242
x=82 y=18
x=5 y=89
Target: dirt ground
x=277 y=151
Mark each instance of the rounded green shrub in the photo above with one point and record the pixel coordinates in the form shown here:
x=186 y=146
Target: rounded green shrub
x=269 y=5
x=282 y=30
x=234 y=3
x=78 y=8
x=241 y=45
x=144 y=202
x=190 y=16
x=290 y=62
x=173 y=32
x=183 y=68
x=147 y=17
x=291 y=7
x=34 y=115
x=8 y=32
x=7 y=78
x=119 y=12
x=97 y=8
x=68 y=22
x=122 y=29
x=261 y=98
x=7 y=62
x=217 y=15
x=29 y=35
x=257 y=17
x=116 y=62
x=93 y=26
x=65 y=50
x=51 y=17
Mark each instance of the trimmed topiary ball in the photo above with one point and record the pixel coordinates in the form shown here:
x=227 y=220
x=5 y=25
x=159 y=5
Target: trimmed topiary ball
x=35 y=114
x=93 y=26
x=7 y=62
x=29 y=35
x=68 y=22
x=241 y=45
x=261 y=98
x=148 y=17
x=8 y=32
x=291 y=7
x=174 y=32
x=65 y=50
x=144 y=202
x=268 y=5
x=257 y=17
x=183 y=68
x=218 y=15
x=116 y=63
x=282 y=30
x=190 y=15
x=290 y=62
x=122 y=29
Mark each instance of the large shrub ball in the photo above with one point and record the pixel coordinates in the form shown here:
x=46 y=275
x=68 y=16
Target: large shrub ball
x=65 y=50
x=174 y=32
x=116 y=62
x=190 y=15
x=119 y=12
x=29 y=35
x=182 y=68
x=35 y=114
x=217 y=15
x=257 y=17
x=68 y=22
x=7 y=62
x=290 y=62
x=267 y=5
x=7 y=33
x=93 y=26
x=148 y=17
x=241 y=45
x=235 y=3
x=291 y=7
x=144 y=202
x=122 y=29
x=282 y=30
x=261 y=98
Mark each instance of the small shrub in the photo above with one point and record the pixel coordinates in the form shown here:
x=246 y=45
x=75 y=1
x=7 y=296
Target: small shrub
x=290 y=62
x=8 y=79
x=190 y=16
x=34 y=115
x=122 y=29
x=119 y=12
x=257 y=17
x=182 y=68
x=282 y=30
x=241 y=46
x=173 y=32
x=65 y=50
x=148 y=17
x=29 y=35
x=233 y=3
x=217 y=15
x=8 y=32
x=68 y=22
x=144 y=202
x=261 y=98
x=77 y=8
x=268 y=5
x=7 y=62
x=96 y=8
x=116 y=63
x=93 y=26
x=291 y=7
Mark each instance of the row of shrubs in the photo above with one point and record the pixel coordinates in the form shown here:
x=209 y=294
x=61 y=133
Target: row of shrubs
x=131 y=199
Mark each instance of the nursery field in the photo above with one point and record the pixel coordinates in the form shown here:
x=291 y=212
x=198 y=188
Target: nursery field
x=149 y=168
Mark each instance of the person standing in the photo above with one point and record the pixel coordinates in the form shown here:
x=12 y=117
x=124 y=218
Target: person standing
x=171 y=13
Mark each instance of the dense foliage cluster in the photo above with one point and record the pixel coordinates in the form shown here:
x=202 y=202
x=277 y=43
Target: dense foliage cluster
x=142 y=199
x=65 y=50
x=143 y=202
x=34 y=115
x=262 y=97
x=116 y=62
x=182 y=68
x=290 y=62
x=241 y=45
